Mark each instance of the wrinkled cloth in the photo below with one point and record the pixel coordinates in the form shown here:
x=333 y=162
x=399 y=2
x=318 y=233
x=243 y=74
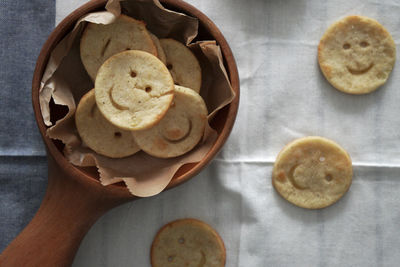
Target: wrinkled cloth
x=283 y=96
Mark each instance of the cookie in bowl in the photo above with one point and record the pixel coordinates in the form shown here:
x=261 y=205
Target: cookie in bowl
x=182 y=63
x=100 y=135
x=99 y=42
x=160 y=50
x=134 y=90
x=180 y=130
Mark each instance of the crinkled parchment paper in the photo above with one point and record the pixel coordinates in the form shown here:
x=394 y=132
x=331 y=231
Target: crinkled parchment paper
x=65 y=81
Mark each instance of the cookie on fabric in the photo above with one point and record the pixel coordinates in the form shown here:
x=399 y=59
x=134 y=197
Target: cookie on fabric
x=99 y=41
x=180 y=130
x=182 y=63
x=100 y=135
x=134 y=90
x=160 y=50
x=312 y=172
x=356 y=55
x=187 y=242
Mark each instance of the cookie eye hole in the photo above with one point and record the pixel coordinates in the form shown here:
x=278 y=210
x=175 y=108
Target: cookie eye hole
x=169 y=66
x=381 y=75
x=117 y=134
x=133 y=74
x=148 y=89
x=181 y=240
x=346 y=46
x=364 y=44
x=328 y=177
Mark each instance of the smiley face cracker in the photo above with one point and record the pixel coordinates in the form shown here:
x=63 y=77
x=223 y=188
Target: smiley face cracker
x=356 y=55
x=312 y=172
x=182 y=63
x=99 y=41
x=187 y=242
x=133 y=90
x=100 y=135
x=180 y=130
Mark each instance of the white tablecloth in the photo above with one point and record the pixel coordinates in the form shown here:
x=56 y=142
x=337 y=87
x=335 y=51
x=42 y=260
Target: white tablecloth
x=283 y=96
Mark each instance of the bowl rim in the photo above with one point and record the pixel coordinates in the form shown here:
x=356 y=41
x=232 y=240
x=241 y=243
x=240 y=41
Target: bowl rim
x=66 y=25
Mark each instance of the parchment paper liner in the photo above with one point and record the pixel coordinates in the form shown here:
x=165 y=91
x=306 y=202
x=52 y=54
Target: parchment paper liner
x=65 y=80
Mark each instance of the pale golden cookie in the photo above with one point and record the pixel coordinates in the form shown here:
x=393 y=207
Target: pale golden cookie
x=100 y=135
x=99 y=41
x=160 y=50
x=182 y=63
x=187 y=242
x=133 y=90
x=356 y=55
x=180 y=130
x=312 y=172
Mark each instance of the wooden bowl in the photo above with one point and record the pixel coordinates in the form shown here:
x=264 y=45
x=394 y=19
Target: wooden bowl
x=75 y=199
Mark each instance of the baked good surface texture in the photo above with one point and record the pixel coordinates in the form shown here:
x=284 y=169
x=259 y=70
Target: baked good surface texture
x=100 y=135
x=312 y=172
x=160 y=50
x=99 y=41
x=180 y=130
x=356 y=55
x=187 y=242
x=182 y=63
x=134 y=90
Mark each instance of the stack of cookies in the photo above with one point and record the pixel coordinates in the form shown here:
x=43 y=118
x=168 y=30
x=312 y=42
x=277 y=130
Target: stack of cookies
x=146 y=94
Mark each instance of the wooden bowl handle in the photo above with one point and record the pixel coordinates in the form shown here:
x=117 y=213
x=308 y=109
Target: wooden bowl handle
x=53 y=236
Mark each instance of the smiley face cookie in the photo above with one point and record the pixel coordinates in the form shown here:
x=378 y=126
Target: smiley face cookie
x=100 y=135
x=356 y=55
x=180 y=130
x=312 y=172
x=133 y=90
x=99 y=41
x=187 y=242
x=182 y=63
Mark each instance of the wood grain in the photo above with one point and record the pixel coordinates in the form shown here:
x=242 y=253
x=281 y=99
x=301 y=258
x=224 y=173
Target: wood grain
x=75 y=199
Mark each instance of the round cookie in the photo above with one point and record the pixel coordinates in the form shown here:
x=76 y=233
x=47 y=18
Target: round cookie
x=100 y=135
x=356 y=55
x=180 y=130
x=182 y=63
x=187 y=242
x=160 y=51
x=312 y=172
x=133 y=90
x=99 y=41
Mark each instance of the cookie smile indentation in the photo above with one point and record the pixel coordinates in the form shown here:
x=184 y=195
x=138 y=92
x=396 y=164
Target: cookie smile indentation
x=362 y=71
x=292 y=180
x=203 y=259
x=115 y=104
x=175 y=141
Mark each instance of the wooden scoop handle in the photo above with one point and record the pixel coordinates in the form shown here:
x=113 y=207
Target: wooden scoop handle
x=69 y=209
